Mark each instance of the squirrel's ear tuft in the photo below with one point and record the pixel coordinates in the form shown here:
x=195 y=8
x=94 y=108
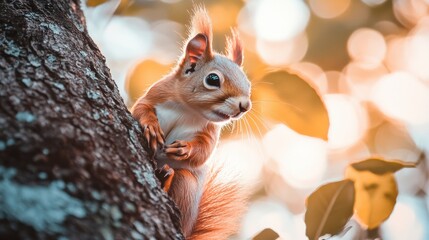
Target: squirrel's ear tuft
x=234 y=48
x=199 y=43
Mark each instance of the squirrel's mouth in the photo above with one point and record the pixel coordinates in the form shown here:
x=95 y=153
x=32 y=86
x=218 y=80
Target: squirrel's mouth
x=222 y=115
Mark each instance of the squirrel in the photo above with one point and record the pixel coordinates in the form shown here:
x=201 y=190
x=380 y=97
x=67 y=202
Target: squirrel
x=182 y=115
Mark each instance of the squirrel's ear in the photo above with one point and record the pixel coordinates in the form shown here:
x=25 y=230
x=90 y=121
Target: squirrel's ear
x=196 y=48
x=234 y=48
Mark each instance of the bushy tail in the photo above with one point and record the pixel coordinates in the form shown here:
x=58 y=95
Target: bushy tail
x=221 y=208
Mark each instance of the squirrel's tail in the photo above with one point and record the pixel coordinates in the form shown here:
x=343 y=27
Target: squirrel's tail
x=221 y=207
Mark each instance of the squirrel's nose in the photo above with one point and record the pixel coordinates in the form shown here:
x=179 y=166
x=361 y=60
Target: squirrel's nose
x=244 y=106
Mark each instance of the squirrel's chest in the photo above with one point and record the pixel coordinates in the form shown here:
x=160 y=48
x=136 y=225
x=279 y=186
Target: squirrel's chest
x=177 y=122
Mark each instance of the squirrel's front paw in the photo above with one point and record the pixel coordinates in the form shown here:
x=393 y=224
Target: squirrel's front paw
x=153 y=134
x=178 y=150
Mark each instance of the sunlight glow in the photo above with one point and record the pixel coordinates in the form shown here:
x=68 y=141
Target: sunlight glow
x=409 y=220
x=417 y=54
x=127 y=38
x=360 y=79
x=403 y=97
x=282 y=52
x=162 y=31
x=238 y=153
x=409 y=12
x=276 y=20
x=372 y=3
x=266 y=213
x=336 y=84
x=395 y=56
x=329 y=8
x=348 y=121
x=301 y=159
x=367 y=47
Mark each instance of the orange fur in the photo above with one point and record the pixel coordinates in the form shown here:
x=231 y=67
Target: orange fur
x=182 y=116
x=201 y=23
x=221 y=207
x=234 y=47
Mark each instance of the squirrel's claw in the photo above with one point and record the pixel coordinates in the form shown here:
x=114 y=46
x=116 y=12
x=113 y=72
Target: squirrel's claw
x=179 y=150
x=153 y=135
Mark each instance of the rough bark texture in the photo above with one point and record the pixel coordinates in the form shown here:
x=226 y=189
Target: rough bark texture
x=72 y=165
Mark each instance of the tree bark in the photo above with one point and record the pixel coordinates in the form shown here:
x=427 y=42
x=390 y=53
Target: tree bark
x=72 y=165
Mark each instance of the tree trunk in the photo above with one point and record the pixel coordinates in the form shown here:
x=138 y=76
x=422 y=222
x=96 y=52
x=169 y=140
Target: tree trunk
x=72 y=165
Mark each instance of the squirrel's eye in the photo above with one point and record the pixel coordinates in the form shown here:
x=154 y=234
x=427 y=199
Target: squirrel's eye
x=213 y=80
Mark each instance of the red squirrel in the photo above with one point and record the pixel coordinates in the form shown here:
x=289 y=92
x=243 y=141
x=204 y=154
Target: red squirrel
x=182 y=115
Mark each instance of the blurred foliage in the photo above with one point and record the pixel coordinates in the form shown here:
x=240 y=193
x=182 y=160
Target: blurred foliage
x=287 y=98
x=369 y=189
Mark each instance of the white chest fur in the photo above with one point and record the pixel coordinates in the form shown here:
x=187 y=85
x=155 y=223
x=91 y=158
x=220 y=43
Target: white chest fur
x=178 y=122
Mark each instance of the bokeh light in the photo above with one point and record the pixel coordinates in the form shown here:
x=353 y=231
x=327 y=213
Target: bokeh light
x=329 y=8
x=360 y=79
x=407 y=220
x=396 y=56
x=166 y=34
x=123 y=37
x=409 y=12
x=266 y=213
x=403 y=97
x=347 y=121
x=276 y=20
x=373 y=3
x=238 y=153
x=282 y=53
x=301 y=159
x=367 y=46
x=417 y=53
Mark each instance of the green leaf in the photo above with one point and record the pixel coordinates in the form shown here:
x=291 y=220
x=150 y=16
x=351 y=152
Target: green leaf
x=266 y=234
x=287 y=98
x=380 y=166
x=329 y=208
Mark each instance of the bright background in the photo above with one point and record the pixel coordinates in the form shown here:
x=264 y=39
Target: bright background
x=368 y=59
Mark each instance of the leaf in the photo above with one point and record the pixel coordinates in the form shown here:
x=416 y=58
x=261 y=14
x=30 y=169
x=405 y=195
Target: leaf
x=375 y=194
x=380 y=166
x=329 y=208
x=287 y=98
x=266 y=234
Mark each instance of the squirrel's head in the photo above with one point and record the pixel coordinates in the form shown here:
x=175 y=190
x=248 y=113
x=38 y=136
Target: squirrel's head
x=213 y=84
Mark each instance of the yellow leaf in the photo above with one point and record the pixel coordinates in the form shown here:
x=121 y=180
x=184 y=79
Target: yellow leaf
x=375 y=195
x=287 y=98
